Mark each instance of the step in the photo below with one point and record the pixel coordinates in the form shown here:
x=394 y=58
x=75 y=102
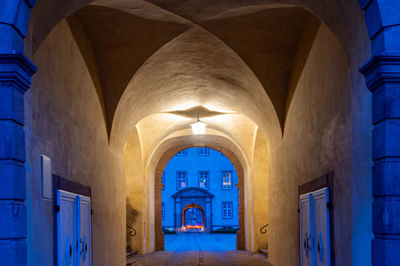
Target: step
x=131 y=253
x=263 y=251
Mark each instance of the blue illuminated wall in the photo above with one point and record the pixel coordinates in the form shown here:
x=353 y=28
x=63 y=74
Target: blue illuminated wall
x=215 y=163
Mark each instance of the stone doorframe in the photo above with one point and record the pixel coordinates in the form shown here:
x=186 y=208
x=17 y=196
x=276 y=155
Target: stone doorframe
x=193 y=196
x=159 y=235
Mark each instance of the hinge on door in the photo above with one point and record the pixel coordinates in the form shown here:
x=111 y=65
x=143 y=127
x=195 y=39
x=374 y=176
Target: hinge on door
x=329 y=205
x=298 y=210
x=57 y=208
x=91 y=212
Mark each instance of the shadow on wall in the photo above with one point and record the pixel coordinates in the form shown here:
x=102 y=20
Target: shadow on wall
x=131 y=215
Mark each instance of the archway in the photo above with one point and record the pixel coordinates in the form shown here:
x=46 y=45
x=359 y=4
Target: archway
x=162 y=162
x=193 y=217
x=192 y=198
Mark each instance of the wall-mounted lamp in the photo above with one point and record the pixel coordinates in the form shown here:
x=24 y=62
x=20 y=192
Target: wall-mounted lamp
x=198 y=127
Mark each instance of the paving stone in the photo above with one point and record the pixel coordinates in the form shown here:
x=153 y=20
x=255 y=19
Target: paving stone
x=200 y=258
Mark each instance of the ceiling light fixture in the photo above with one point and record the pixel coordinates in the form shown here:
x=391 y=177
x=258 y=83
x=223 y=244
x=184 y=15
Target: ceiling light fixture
x=198 y=127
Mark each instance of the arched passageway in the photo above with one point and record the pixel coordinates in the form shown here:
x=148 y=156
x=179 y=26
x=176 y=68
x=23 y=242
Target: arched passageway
x=202 y=177
x=278 y=85
x=171 y=152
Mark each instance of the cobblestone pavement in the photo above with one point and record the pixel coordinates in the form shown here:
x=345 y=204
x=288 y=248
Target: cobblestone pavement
x=199 y=258
x=200 y=249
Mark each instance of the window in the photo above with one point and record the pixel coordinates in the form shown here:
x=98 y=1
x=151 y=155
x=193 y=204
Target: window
x=203 y=151
x=163 y=210
x=181 y=179
x=182 y=153
x=203 y=179
x=227 y=209
x=163 y=180
x=227 y=179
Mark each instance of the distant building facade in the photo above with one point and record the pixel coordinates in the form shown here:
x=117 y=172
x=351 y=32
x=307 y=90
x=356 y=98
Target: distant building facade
x=199 y=189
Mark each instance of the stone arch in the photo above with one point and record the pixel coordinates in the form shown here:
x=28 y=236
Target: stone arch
x=159 y=168
x=190 y=206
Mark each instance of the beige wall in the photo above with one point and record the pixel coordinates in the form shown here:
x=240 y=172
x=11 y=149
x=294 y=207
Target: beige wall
x=317 y=140
x=65 y=121
x=134 y=190
x=260 y=190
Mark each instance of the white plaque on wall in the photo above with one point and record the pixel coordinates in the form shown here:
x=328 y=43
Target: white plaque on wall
x=47 y=184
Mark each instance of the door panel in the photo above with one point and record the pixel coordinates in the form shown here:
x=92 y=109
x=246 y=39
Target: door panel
x=305 y=249
x=66 y=228
x=322 y=237
x=85 y=237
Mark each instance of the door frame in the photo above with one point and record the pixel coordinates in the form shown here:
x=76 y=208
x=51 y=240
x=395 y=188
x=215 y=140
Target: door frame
x=60 y=183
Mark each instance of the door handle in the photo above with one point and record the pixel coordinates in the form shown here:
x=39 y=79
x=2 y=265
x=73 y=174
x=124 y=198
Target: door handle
x=306 y=243
x=83 y=246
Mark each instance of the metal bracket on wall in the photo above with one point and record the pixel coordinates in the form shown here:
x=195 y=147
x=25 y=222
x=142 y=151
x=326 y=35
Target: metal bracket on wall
x=263 y=229
x=132 y=231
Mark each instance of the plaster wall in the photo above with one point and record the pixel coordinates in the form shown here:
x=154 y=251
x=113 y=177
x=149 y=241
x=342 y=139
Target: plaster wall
x=317 y=140
x=64 y=120
x=260 y=190
x=134 y=191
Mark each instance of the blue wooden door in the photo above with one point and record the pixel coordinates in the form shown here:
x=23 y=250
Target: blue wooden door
x=73 y=229
x=315 y=247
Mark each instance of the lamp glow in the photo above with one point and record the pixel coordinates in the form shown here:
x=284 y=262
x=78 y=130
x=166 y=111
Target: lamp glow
x=198 y=127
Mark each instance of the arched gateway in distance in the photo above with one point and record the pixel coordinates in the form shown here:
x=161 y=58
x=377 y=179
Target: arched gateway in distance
x=203 y=179
x=192 y=198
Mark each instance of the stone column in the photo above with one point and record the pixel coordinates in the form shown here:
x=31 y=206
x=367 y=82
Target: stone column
x=15 y=79
x=382 y=74
x=178 y=213
x=208 y=220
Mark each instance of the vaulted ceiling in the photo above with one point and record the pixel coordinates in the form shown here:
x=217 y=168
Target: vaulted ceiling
x=117 y=37
x=150 y=56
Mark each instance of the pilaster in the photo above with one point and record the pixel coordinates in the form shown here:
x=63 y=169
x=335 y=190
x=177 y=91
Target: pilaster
x=208 y=214
x=382 y=74
x=15 y=78
x=14 y=17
